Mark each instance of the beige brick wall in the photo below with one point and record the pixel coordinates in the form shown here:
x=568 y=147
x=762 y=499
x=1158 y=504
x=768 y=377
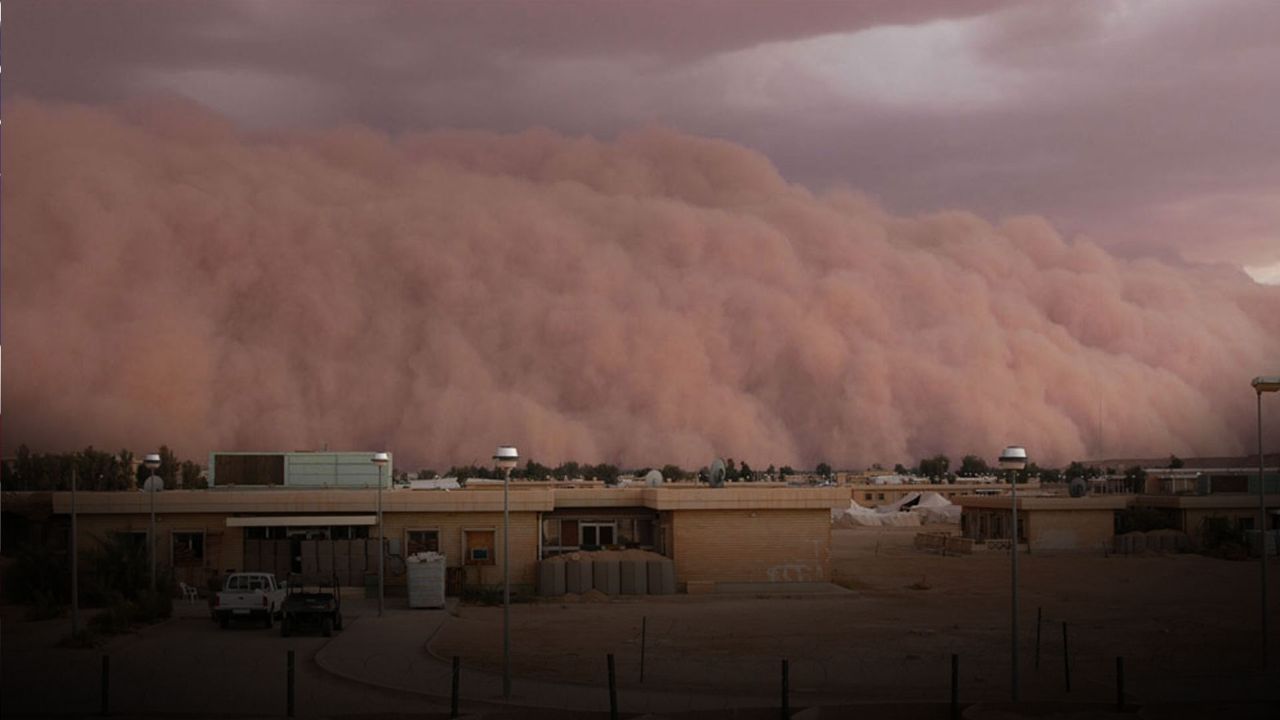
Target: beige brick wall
x=524 y=541
x=752 y=545
x=1069 y=529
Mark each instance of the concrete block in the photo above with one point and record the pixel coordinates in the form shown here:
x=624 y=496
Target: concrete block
x=577 y=576
x=662 y=577
x=606 y=576
x=551 y=578
x=633 y=577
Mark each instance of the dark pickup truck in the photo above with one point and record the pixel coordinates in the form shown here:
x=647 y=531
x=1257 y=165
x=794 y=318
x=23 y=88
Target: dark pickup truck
x=311 y=603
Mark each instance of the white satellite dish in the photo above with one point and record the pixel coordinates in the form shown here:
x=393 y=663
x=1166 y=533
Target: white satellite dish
x=716 y=474
x=653 y=478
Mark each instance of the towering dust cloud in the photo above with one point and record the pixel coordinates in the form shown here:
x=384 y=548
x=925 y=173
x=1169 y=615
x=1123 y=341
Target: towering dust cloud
x=657 y=298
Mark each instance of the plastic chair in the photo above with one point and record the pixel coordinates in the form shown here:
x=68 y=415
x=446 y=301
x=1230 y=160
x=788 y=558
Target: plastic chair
x=188 y=592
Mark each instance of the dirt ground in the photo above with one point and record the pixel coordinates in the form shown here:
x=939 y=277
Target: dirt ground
x=1186 y=625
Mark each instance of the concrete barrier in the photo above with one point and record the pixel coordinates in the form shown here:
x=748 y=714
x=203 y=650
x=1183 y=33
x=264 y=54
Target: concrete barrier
x=551 y=578
x=662 y=577
x=633 y=577
x=605 y=576
x=578 y=576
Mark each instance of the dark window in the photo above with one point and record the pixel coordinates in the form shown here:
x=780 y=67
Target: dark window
x=417 y=541
x=188 y=548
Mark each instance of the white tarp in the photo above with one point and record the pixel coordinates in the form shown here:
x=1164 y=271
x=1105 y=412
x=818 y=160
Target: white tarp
x=911 y=510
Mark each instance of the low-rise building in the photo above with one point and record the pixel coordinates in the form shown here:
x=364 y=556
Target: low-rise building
x=731 y=534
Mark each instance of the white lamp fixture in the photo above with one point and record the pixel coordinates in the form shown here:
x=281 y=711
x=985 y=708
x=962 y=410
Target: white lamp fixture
x=1013 y=459
x=381 y=459
x=505 y=458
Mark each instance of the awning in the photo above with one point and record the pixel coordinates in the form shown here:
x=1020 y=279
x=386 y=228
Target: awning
x=301 y=520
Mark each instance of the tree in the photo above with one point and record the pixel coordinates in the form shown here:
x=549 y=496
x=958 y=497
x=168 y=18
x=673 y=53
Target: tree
x=899 y=469
x=972 y=465
x=786 y=470
x=569 y=470
x=169 y=468
x=536 y=471
x=191 y=476
x=745 y=472
x=823 y=470
x=606 y=473
x=673 y=473
x=426 y=474
x=935 y=467
x=1175 y=462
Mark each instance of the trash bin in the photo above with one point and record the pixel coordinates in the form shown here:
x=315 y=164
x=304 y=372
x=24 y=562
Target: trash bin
x=426 y=578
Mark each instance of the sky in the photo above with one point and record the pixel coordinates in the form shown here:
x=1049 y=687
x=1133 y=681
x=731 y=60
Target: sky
x=1123 y=156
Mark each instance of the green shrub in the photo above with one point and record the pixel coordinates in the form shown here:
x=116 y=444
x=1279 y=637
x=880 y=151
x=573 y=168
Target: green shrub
x=154 y=606
x=43 y=606
x=116 y=618
x=38 y=574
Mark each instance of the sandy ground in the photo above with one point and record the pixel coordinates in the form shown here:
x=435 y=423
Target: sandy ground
x=1186 y=625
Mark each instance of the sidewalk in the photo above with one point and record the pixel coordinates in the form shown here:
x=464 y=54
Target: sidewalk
x=394 y=653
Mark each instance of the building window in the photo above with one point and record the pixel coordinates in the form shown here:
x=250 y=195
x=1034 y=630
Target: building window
x=188 y=548
x=478 y=547
x=598 y=534
x=418 y=541
x=879 y=496
x=866 y=496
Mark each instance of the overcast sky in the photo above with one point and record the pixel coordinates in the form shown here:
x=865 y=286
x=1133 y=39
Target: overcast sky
x=1151 y=126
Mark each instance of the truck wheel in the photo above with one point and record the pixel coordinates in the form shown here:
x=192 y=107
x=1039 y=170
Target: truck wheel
x=268 y=620
x=326 y=627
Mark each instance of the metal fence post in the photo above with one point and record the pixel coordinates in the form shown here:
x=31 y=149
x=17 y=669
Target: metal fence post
x=1066 y=657
x=453 y=695
x=955 y=686
x=106 y=685
x=288 y=698
x=786 y=691
x=613 y=691
x=644 y=622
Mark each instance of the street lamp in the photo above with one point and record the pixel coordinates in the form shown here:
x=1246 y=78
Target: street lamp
x=152 y=486
x=1013 y=459
x=1260 y=385
x=75 y=550
x=506 y=458
x=380 y=459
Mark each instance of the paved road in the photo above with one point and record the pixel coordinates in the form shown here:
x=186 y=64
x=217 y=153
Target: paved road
x=187 y=666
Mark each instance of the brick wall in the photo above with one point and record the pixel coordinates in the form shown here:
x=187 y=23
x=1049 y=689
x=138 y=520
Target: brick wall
x=1069 y=529
x=752 y=545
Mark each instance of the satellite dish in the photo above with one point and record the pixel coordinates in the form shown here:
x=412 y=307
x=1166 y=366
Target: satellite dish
x=1078 y=488
x=653 y=478
x=716 y=475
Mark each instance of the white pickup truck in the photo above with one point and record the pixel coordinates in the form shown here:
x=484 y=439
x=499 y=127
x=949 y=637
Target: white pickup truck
x=248 y=596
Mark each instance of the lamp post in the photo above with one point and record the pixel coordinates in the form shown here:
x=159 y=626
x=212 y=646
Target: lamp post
x=506 y=458
x=1261 y=385
x=1013 y=459
x=75 y=580
x=380 y=459
x=151 y=487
